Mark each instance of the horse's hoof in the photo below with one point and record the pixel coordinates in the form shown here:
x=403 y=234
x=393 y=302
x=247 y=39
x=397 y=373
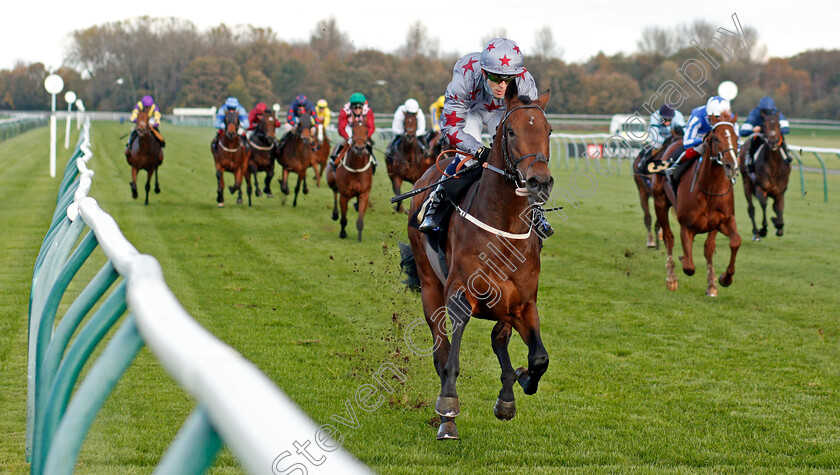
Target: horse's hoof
x=306 y=191
x=672 y=285
x=269 y=195
x=257 y=193
x=334 y=216
x=523 y=377
x=650 y=241
x=725 y=279
x=756 y=238
x=157 y=190
x=221 y=205
x=356 y=206
x=447 y=431
x=504 y=410
x=780 y=231
x=447 y=406
x=342 y=234
x=711 y=292
x=239 y=201
x=762 y=232
x=688 y=272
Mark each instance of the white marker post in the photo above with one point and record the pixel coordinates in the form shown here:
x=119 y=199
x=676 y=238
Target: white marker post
x=53 y=84
x=728 y=90
x=80 y=107
x=69 y=98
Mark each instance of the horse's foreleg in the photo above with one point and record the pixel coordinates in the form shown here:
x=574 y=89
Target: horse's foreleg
x=529 y=329
x=459 y=310
x=343 y=203
x=505 y=407
x=730 y=229
x=248 y=185
x=316 y=167
x=709 y=251
x=396 y=184
x=687 y=239
x=252 y=171
x=133 y=182
x=297 y=188
x=305 y=188
x=157 y=185
x=661 y=208
x=269 y=175
x=778 y=207
x=284 y=182
x=762 y=200
x=363 y=205
x=643 y=199
x=148 y=185
x=220 y=187
x=748 y=190
x=335 y=206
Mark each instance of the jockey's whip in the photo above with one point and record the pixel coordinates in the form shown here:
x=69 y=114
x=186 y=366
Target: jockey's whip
x=124 y=135
x=411 y=193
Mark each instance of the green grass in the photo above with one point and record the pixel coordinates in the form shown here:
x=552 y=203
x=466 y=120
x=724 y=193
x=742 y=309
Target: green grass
x=641 y=379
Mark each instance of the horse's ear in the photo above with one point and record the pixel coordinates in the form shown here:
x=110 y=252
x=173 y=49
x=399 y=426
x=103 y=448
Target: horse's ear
x=542 y=101
x=734 y=118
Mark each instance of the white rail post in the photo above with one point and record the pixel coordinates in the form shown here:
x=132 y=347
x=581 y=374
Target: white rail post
x=53 y=84
x=69 y=98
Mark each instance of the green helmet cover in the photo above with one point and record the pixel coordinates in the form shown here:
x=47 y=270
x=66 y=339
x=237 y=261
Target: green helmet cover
x=357 y=98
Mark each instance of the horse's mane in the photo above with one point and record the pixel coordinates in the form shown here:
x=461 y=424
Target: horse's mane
x=726 y=116
x=525 y=100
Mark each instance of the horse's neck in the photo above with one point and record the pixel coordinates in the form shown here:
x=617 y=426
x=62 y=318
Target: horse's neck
x=713 y=177
x=496 y=202
x=230 y=142
x=771 y=161
x=356 y=160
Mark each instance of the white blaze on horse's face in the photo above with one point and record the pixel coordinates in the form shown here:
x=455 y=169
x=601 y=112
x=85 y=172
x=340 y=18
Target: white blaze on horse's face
x=531 y=121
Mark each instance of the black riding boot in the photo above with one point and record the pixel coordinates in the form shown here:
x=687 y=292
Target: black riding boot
x=430 y=217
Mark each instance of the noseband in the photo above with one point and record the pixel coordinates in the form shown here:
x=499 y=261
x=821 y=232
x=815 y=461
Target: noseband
x=512 y=171
x=718 y=158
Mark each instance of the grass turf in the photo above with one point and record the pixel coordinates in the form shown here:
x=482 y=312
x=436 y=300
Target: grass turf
x=641 y=379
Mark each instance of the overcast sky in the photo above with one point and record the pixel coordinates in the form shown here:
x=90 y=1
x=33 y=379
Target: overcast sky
x=40 y=31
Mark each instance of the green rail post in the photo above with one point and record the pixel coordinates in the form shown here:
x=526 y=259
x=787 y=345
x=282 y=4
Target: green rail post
x=825 y=179
x=194 y=448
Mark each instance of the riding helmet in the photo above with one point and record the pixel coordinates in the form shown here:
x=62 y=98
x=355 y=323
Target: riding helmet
x=147 y=101
x=232 y=103
x=502 y=56
x=357 y=98
x=666 y=112
x=412 y=106
x=717 y=105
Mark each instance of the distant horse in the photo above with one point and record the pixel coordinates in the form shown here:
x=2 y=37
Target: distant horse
x=493 y=258
x=296 y=155
x=352 y=177
x=643 y=184
x=705 y=203
x=409 y=161
x=770 y=178
x=263 y=145
x=231 y=154
x=322 y=154
x=145 y=154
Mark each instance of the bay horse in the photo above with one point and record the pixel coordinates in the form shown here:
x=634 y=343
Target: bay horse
x=705 y=203
x=296 y=155
x=497 y=227
x=770 y=178
x=408 y=161
x=643 y=184
x=263 y=145
x=352 y=177
x=231 y=155
x=145 y=154
x=319 y=159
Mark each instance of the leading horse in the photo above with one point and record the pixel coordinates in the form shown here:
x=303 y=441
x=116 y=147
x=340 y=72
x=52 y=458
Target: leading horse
x=705 y=203
x=145 y=153
x=493 y=258
x=768 y=178
x=408 y=161
x=231 y=154
x=263 y=145
x=352 y=177
x=296 y=154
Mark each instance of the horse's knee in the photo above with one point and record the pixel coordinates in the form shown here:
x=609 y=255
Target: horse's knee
x=218 y=174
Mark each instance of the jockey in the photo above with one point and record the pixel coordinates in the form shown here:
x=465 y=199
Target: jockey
x=231 y=103
x=322 y=110
x=766 y=106
x=435 y=112
x=662 y=123
x=355 y=110
x=255 y=117
x=475 y=99
x=299 y=107
x=695 y=133
x=411 y=106
x=147 y=102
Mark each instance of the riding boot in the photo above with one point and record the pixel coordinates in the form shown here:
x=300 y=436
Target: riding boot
x=540 y=222
x=372 y=157
x=430 y=218
x=786 y=153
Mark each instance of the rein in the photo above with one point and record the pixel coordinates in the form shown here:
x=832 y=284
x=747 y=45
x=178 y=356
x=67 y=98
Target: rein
x=718 y=158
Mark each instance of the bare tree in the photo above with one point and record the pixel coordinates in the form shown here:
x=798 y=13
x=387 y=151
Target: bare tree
x=701 y=31
x=656 y=40
x=544 y=45
x=327 y=38
x=418 y=42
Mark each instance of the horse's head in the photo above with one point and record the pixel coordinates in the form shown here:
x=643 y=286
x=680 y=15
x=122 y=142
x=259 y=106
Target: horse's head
x=143 y=122
x=231 y=121
x=723 y=141
x=522 y=139
x=410 y=127
x=772 y=131
x=304 y=129
x=359 y=138
x=267 y=123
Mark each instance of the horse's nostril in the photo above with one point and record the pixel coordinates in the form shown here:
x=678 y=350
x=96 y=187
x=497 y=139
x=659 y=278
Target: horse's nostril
x=533 y=182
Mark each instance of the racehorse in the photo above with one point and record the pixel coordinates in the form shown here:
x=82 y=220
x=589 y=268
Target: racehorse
x=263 y=145
x=352 y=176
x=409 y=161
x=296 y=154
x=705 y=203
x=231 y=154
x=319 y=159
x=145 y=154
x=493 y=243
x=769 y=179
x=643 y=184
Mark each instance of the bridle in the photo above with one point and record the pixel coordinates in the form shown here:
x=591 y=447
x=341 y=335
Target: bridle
x=512 y=171
x=718 y=158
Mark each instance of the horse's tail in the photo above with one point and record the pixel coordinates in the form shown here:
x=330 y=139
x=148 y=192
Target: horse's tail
x=409 y=267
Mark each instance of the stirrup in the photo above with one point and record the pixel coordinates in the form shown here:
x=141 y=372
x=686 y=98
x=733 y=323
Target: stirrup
x=429 y=219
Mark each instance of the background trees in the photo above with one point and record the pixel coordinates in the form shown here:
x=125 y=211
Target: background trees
x=113 y=64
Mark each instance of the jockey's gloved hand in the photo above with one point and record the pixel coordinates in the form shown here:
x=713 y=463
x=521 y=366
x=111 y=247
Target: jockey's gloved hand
x=482 y=154
x=370 y=142
x=240 y=131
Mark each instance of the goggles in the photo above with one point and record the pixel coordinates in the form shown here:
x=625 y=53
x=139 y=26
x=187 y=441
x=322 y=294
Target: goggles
x=499 y=78
x=357 y=106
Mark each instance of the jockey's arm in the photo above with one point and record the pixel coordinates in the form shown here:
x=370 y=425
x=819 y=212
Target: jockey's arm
x=134 y=113
x=397 y=125
x=784 y=125
x=342 y=125
x=454 y=116
x=421 y=123
x=371 y=124
x=154 y=118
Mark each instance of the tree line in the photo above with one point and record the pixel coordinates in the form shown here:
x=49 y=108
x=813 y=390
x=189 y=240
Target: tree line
x=112 y=65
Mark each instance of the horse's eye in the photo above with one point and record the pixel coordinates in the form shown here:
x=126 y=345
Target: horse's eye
x=510 y=133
